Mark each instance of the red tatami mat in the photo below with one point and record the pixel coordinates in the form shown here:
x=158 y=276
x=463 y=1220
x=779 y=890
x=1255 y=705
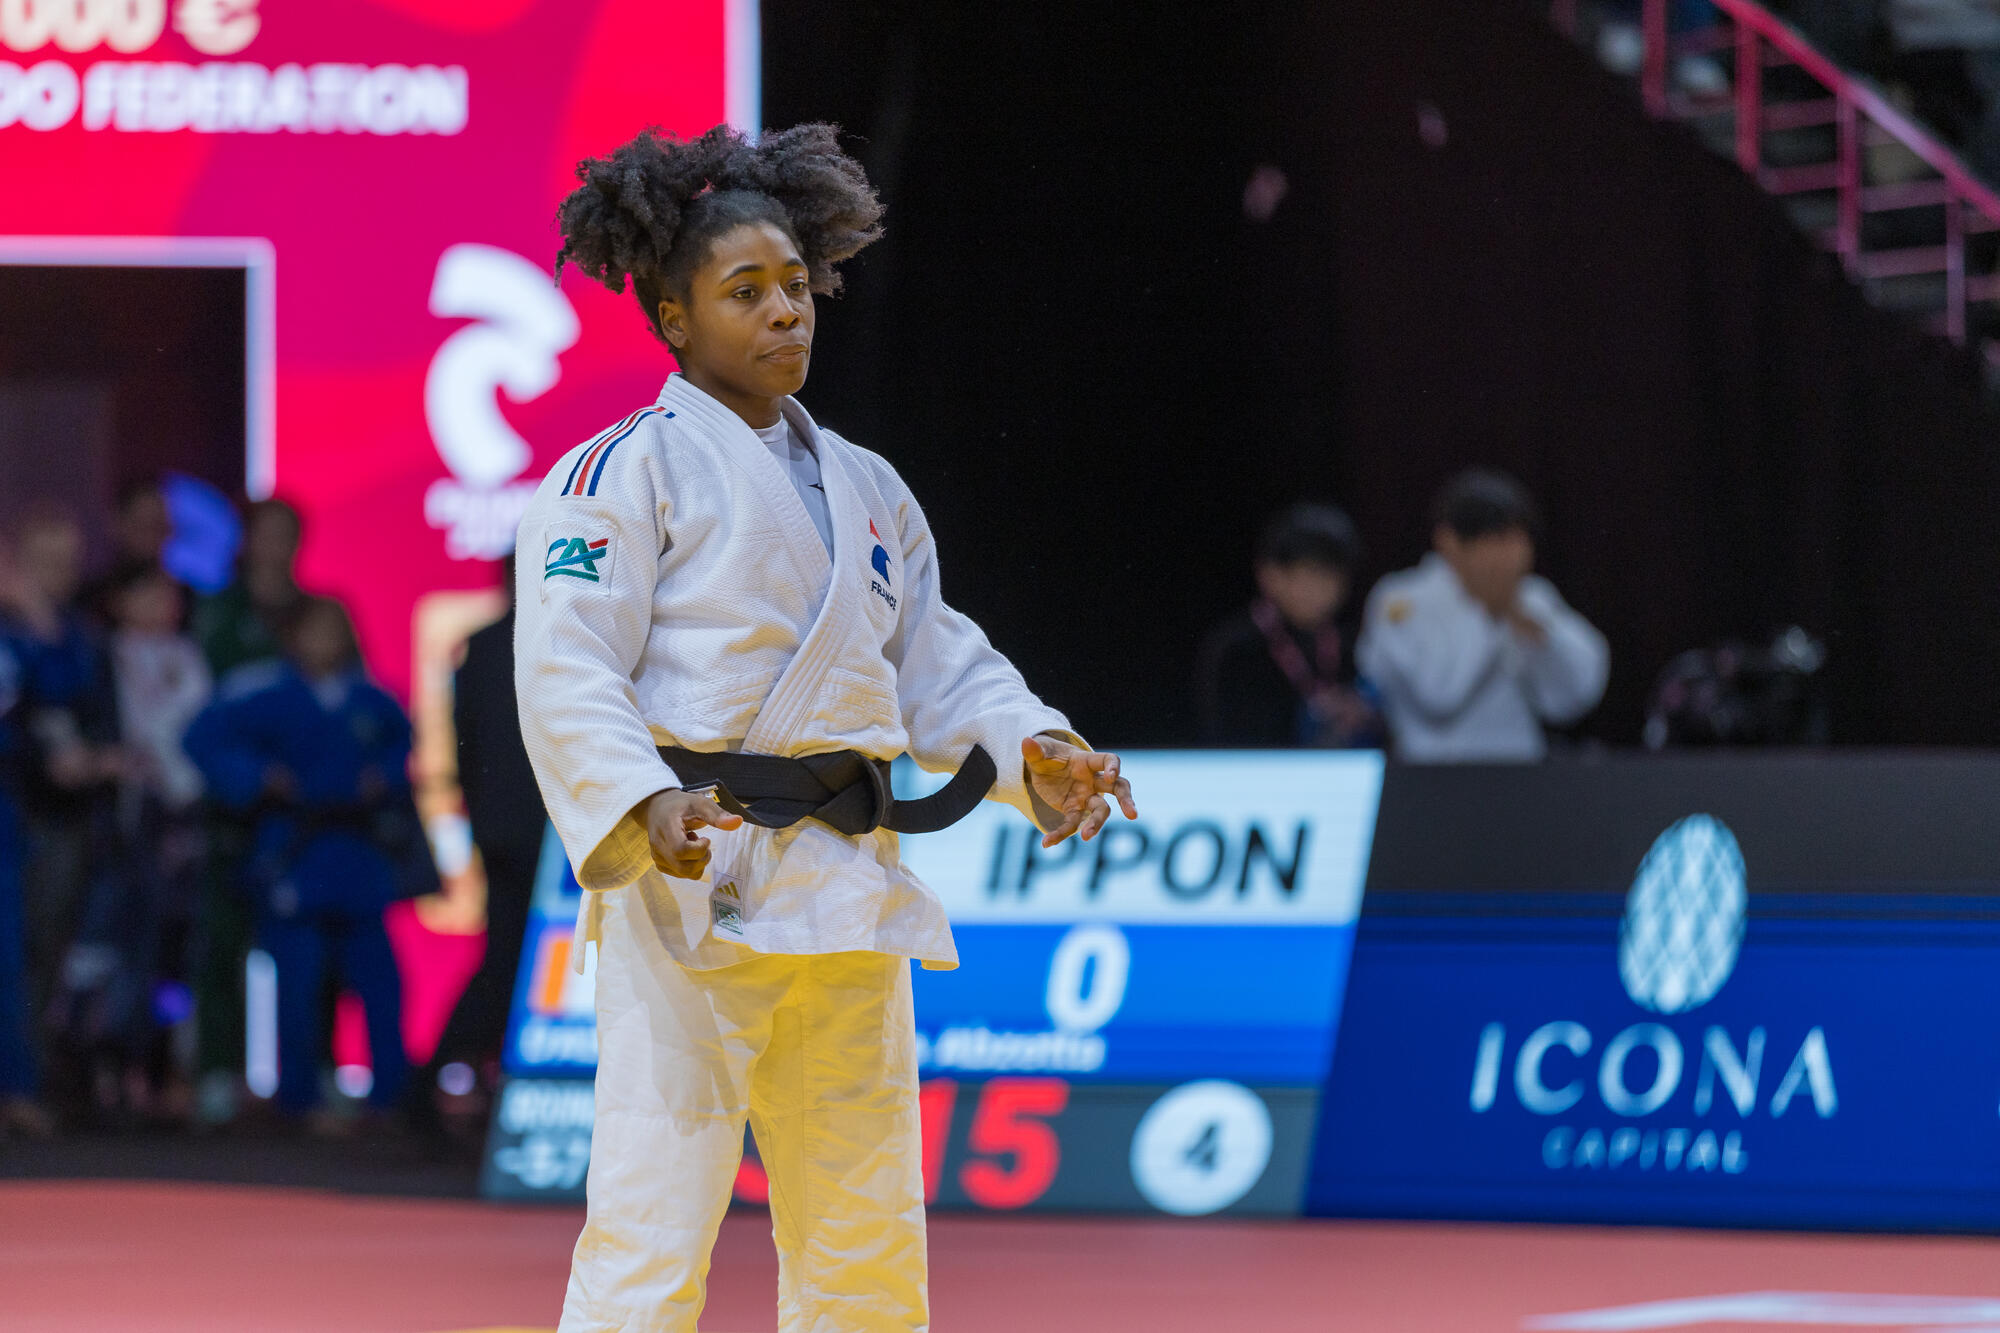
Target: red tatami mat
x=106 y=1258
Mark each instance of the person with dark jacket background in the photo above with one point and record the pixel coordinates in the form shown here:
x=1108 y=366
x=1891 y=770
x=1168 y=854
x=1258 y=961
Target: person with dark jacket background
x=237 y=629
x=242 y=624
x=20 y=1112
x=141 y=528
x=69 y=714
x=1278 y=674
x=504 y=807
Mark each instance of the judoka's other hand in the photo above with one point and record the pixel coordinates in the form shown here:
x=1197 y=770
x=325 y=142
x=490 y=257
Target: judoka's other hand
x=1074 y=782
x=671 y=818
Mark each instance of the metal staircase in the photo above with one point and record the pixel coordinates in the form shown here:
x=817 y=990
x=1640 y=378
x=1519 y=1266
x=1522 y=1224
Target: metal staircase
x=1915 y=228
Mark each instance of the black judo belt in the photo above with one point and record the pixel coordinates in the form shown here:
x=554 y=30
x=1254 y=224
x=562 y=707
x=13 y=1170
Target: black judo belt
x=846 y=790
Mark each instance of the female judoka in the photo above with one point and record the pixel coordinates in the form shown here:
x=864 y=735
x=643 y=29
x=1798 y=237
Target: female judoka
x=718 y=594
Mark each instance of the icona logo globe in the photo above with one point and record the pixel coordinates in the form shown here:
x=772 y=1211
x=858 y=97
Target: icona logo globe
x=1684 y=917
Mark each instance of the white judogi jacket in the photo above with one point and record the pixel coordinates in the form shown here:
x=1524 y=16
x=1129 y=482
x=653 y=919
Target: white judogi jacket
x=672 y=590
x=1462 y=687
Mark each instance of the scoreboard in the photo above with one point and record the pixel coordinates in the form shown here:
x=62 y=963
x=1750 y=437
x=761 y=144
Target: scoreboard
x=1666 y=990
x=1141 y=1022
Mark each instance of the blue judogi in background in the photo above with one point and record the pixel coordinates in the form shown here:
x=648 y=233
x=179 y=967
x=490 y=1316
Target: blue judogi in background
x=17 y=1061
x=319 y=757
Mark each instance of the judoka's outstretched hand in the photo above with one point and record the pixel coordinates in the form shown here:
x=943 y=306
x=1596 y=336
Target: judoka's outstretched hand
x=671 y=818
x=1074 y=783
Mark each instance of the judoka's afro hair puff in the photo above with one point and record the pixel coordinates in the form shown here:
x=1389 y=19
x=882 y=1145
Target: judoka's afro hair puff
x=651 y=210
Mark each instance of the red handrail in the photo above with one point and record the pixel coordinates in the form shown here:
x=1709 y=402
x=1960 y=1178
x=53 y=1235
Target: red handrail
x=1862 y=95
x=1855 y=101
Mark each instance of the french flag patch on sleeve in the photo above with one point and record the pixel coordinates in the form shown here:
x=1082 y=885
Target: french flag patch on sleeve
x=588 y=470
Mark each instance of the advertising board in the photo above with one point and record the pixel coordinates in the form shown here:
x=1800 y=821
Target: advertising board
x=1735 y=991
x=386 y=173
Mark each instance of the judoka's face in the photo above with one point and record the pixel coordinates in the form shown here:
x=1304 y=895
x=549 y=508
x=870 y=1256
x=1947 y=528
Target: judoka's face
x=744 y=334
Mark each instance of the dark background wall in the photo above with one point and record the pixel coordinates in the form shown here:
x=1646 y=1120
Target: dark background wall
x=1040 y=343
x=132 y=371
x=1099 y=377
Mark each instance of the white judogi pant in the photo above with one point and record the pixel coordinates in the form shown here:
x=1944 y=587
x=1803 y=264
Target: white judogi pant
x=818 y=1052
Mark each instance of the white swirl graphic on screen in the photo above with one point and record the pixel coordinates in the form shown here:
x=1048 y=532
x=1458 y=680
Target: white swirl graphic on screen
x=523 y=325
x=1683 y=924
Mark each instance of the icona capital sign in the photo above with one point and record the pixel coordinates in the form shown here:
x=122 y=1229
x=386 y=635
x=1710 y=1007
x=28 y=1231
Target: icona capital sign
x=1655 y=1096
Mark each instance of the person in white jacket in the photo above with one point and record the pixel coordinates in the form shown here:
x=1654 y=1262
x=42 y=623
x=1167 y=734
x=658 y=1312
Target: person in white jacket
x=1471 y=651
x=716 y=590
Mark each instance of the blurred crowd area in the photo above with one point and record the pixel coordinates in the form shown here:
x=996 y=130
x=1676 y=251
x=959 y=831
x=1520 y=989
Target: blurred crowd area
x=197 y=766
x=1470 y=656
x=1938 y=59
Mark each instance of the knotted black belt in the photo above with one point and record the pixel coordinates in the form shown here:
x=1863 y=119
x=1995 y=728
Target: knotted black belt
x=846 y=790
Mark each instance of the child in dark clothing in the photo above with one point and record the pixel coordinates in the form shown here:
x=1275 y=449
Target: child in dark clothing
x=1279 y=674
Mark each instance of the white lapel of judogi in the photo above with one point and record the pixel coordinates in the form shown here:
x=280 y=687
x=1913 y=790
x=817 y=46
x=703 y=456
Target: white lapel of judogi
x=841 y=615
x=739 y=444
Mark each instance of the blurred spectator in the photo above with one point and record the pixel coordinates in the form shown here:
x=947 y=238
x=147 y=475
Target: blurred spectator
x=1277 y=674
x=162 y=682
x=237 y=627
x=241 y=624
x=143 y=525
x=71 y=723
x=19 y=1112
x=1743 y=694
x=1472 y=652
x=505 y=809
x=140 y=535
x=125 y=977
x=318 y=757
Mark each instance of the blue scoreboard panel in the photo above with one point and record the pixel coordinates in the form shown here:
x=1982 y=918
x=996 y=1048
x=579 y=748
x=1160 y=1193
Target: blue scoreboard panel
x=1697 y=989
